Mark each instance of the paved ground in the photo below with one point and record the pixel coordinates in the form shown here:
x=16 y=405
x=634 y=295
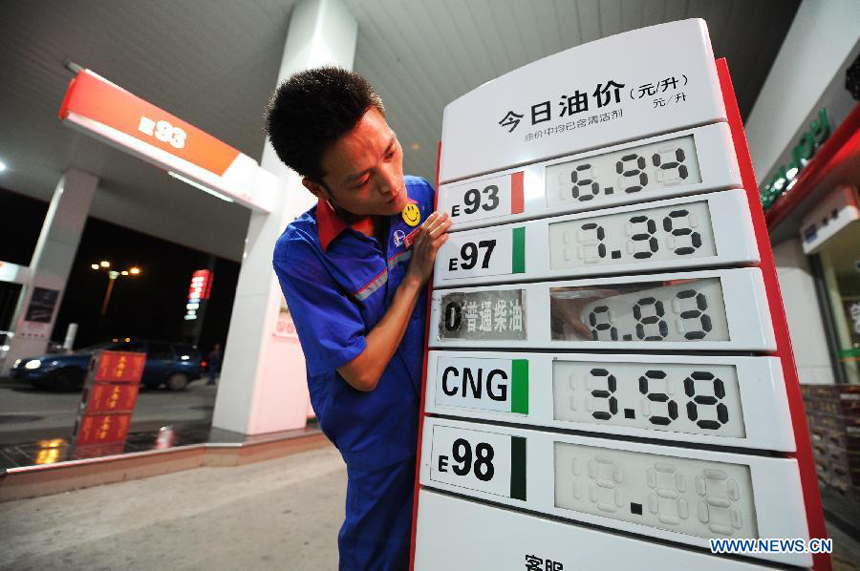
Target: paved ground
x=279 y=514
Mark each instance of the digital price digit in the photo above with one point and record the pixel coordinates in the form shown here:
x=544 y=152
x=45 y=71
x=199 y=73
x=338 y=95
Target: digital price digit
x=696 y=497
x=654 y=234
x=689 y=311
x=649 y=313
x=697 y=400
x=627 y=172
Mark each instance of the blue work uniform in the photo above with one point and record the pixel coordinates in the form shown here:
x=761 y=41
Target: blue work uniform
x=338 y=284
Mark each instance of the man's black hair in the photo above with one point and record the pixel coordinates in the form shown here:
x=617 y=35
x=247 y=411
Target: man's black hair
x=313 y=109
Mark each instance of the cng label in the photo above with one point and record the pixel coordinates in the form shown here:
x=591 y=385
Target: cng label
x=484 y=461
x=499 y=385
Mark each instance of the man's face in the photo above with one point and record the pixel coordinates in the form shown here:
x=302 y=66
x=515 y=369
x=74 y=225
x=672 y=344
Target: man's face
x=364 y=170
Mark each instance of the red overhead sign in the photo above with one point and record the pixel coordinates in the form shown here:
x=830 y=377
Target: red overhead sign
x=201 y=284
x=96 y=98
x=108 y=112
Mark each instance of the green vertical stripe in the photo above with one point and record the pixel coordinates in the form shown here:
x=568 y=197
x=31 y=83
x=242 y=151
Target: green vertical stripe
x=520 y=386
x=518 y=468
x=518 y=255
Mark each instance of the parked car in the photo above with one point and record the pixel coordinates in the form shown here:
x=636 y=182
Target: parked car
x=171 y=364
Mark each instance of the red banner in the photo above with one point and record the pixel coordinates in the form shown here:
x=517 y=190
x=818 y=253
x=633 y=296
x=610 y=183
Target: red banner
x=111 y=397
x=120 y=367
x=103 y=429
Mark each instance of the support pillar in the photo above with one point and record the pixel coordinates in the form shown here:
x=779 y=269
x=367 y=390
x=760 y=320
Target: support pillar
x=51 y=264
x=263 y=385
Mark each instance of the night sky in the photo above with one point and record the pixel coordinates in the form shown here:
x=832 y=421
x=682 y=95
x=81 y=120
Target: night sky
x=149 y=306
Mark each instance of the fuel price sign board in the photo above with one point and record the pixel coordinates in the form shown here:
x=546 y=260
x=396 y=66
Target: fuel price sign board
x=718 y=400
x=706 y=230
x=608 y=360
x=687 y=496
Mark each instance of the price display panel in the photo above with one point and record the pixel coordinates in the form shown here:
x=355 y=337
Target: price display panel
x=707 y=230
x=716 y=400
x=683 y=163
x=683 y=495
x=470 y=535
x=693 y=311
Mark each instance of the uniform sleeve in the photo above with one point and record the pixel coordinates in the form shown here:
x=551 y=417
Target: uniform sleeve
x=329 y=325
x=425 y=195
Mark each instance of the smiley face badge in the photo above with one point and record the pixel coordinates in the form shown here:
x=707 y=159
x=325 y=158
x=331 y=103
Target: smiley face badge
x=411 y=214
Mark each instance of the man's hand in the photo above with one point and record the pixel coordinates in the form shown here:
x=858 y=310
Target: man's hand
x=429 y=238
x=364 y=371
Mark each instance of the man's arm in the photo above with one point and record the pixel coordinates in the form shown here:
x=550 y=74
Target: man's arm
x=364 y=371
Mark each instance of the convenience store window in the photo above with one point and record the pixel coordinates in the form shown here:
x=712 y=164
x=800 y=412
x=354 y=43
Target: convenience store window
x=840 y=264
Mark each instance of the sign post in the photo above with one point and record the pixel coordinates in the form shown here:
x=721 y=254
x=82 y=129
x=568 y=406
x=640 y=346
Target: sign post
x=609 y=378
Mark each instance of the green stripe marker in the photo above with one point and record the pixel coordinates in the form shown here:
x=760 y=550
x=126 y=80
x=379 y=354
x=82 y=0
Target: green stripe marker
x=520 y=386
x=518 y=252
x=518 y=468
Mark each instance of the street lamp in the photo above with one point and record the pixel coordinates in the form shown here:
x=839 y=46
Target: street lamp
x=112 y=275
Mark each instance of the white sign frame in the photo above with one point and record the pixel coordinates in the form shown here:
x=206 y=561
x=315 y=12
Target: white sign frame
x=777 y=494
x=718 y=166
x=731 y=223
x=745 y=300
x=764 y=404
x=454 y=533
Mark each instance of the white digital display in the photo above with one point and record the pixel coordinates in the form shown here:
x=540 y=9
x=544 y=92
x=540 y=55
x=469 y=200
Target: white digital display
x=631 y=171
x=656 y=396
x=736 y=401
x=691 y=496
x=655 y=234
x=675 y=493
x=562 y=185
x=710 y=230
x=689 y=311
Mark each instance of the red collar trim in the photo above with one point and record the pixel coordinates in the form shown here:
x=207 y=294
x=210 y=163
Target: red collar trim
x=329 y=224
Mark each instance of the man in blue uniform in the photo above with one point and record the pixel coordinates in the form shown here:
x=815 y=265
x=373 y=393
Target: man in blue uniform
x=353 y=270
